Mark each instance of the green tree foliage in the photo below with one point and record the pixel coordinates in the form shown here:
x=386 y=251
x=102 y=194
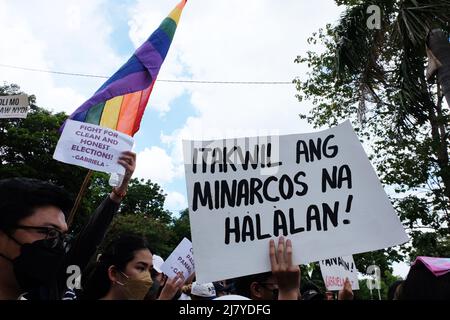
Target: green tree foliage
x=142 y=212
x=26 y=150
x=377 y=78
x=311 y=274
x=387 y=279
x=143 y=197
x=146 y=198
x=181 y=226
x=27 y=146
x=159 y=234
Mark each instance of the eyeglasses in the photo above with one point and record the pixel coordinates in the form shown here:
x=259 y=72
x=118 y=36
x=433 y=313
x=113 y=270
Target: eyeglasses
x=53 y=235
x=275 y=291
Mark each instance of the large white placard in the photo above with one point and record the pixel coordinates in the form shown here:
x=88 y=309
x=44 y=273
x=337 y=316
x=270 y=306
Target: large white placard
x=318 y=189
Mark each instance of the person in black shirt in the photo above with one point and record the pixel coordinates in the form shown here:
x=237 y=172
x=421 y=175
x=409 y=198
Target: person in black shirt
x=33 y=255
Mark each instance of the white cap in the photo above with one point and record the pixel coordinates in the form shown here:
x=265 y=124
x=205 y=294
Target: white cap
x=184 y=297
x=205 y=290
x=157 y=263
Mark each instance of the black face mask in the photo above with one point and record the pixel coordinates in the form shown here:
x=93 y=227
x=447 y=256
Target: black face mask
x=38 y=264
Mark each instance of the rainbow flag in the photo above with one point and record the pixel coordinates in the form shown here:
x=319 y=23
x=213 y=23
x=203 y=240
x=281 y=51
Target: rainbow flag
x=120 y=102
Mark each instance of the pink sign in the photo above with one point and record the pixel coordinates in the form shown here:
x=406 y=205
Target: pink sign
x=439 y=266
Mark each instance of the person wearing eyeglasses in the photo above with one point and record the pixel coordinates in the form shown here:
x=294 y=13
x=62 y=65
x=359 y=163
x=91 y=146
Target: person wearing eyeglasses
x=281 y=283
x=34 y=252
x=261 y=286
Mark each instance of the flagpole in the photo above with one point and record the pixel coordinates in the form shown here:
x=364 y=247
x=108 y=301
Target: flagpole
x=79 y=197
x=117 y=87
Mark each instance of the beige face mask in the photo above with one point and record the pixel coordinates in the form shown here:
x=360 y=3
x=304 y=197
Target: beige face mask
x=137 y=287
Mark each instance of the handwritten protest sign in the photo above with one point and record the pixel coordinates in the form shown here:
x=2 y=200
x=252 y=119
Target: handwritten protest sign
x=91 y=146
x=14 y=106
x=180 y=260
x=336 y=270
x=318 y=189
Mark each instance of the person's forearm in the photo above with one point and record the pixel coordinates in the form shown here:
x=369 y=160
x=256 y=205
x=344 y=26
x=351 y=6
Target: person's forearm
x=85 y=244
x=115 y=198
x=117 y=194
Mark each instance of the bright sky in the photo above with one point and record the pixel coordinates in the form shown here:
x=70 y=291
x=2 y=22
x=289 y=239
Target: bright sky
x=232 y=40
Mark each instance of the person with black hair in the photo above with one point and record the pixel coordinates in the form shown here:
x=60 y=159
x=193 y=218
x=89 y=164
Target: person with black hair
x=281 y=283
x=310 y=291
x=124 y=272
x=394 y=290
x=34 y=252
x=221 y=288
x=261 y=286
x=171 y=287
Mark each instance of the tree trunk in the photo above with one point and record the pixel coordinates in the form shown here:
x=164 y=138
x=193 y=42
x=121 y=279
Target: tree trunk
x=438 y=44
x=440 y=149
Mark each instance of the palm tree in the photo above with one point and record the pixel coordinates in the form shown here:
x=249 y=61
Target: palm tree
x=394 y=79
x=438 y=51
x=389 y=64
x=409 y=29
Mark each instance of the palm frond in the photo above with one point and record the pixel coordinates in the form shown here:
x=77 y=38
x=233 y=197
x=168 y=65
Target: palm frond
x=417 y=17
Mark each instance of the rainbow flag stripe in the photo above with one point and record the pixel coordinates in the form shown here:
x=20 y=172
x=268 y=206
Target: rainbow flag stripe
x=120 y=102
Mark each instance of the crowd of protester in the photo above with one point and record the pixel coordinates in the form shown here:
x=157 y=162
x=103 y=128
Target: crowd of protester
x=35 y=254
